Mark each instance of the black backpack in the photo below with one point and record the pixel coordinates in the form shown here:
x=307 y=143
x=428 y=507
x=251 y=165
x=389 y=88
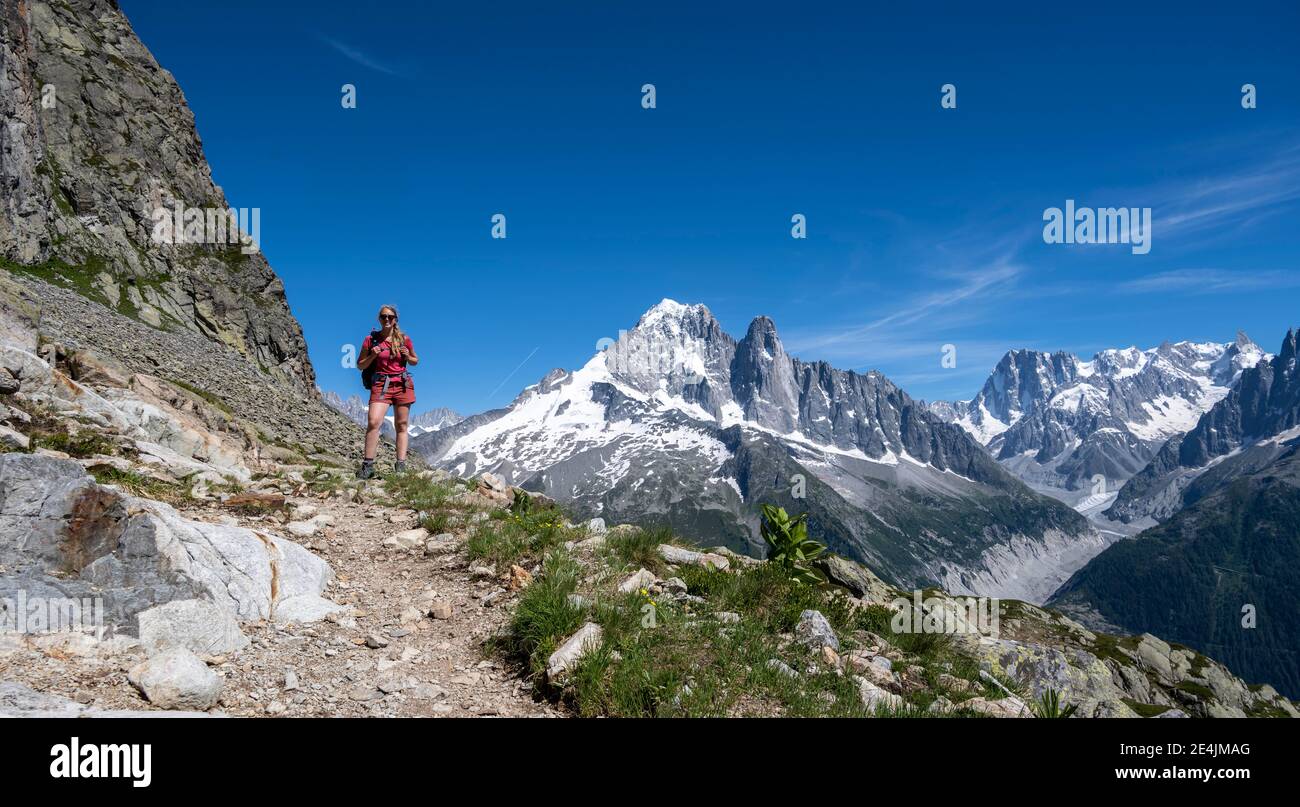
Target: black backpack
x=368 y=374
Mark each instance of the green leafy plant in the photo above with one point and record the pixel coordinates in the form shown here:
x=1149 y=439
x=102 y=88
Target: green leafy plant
x=789 y=544
x=1049 y=705
x=522 y=504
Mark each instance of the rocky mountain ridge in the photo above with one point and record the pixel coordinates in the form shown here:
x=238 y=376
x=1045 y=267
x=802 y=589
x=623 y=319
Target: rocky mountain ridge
x=679 y=423
x=1065 y=425
x=1242 y=433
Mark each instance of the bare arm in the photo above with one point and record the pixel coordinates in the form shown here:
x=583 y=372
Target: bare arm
x=409 y=354
x=367 y=358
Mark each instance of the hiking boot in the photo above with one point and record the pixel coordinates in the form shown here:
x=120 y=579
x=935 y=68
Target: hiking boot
x=399 y=467
x=367 y=470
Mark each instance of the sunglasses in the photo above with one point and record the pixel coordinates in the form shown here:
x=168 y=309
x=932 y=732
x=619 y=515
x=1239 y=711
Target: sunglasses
x=387 y=317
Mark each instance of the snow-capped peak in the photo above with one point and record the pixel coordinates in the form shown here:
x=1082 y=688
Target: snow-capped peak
x=1106 y=416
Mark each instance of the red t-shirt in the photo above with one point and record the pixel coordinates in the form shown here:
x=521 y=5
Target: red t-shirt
x=389 y=361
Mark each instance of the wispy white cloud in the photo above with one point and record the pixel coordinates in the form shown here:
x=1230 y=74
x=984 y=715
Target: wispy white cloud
x=361 y=57
x=1232 y=199
x=964 y=290
x=1211 y=281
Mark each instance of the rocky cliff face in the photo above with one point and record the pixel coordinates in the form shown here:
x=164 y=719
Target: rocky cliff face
x=97 y=138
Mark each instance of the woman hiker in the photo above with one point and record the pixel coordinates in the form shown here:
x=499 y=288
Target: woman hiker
x=385 y=355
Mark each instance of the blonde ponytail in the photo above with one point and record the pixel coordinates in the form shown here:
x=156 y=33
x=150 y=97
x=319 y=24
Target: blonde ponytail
x=396 y=338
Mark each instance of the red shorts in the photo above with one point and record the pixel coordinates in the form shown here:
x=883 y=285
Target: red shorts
x=401 y=390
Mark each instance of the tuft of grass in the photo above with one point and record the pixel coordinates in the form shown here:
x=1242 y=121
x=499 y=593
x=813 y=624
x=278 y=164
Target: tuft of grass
x=994 y=692
x=140 y=485
x=768 y=594
x=418 y=493
x=437 y=522
x=922 y=644
x=544 y=617
x=639 y=548
x=320 y=479
x=501 y=544
x=519 y=537
x=1050 y=705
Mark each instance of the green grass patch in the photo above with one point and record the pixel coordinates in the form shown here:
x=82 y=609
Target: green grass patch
x=639 y=548
x=1145 y=709
x=202 y=393
x=544 y=617
x=521 y=534
x=1203 y=693
x=421 y=494
x=142 y=486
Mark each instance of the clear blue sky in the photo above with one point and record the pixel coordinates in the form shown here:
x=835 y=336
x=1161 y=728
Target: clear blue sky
x=924 y=224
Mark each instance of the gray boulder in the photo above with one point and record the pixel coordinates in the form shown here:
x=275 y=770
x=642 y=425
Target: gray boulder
x=856 y=578
x=18 y=700
x=177 y=679
x=815 y=631
x=63 y=535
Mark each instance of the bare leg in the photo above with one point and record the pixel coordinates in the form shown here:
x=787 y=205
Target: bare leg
x=374 y=421
x=401 y=416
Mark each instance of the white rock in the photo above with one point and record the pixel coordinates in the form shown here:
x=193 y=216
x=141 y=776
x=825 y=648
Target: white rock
x=873 y=696
x=407 y=539
x=588 y=638
x=679 y=555
x=439 y=544
x=199 y=626
x=815 y=631
x=1006 y=707
x=781 y=667
x=17 y=700
x=306 y=608
x=643 y=578
x=157 y=555
x=311 y=526
x=13 y=440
